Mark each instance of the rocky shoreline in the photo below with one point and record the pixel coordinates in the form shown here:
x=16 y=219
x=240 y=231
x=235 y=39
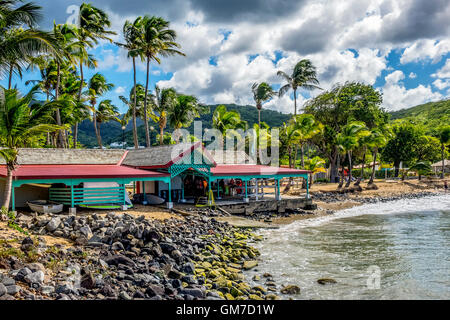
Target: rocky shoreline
x=118 y=256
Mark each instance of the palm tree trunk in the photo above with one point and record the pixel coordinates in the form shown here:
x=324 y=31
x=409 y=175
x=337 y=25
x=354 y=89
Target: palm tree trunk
x=443 y=161
x=295 y=155
x=361 y=176
x=341 y=182
x=161 y=135
x=97 y=133
x=259 y=118
x=75 y=135
x=75 y=131
x=135 y=135
x=8 y=187
x=372 y=177
x=10 y=77
x=61 y=138
x=295 y=102
x=350 y=166
x=302 y=158
x=147 y=130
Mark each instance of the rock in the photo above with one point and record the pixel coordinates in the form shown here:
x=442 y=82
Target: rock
x=86 y=232
x=124 y=296
x=250 y=264
x=7 y=281
x=35 y=277
x=290 y=289
x=267 y=275
x=47 y=290
x=154 y=290
x=27 y=244
x=117 y=246
x=256 y=278
x=3 y=289
x=324 y=281
x=188 y=268
x=254 y=297
x=195 y=292
x=53 y=224
x=87 y=281
x=119 y=259
x=167 y=247
x=64 y=288
x=36 y=266
x=174 y=274
x=272 y=296
x=20 y=276
x=12 y=290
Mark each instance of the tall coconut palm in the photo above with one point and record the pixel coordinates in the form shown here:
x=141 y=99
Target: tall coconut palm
x=105 y=112
x=261 y=93
x=21 y=121
x=348 y=140
x=163 y=100
x=131 y=33
x=98 y=86
x=444 y=138
x=92 y=27
x=155 y=41
x=303 y=76
x=138 y=106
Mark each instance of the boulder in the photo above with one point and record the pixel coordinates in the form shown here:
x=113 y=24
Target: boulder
x=53 y=224
x=290 y=289
x=154 y=290
x=3 y=289
x=250 y=264
x=35 y=277
x=119 y=259
x=324 y=281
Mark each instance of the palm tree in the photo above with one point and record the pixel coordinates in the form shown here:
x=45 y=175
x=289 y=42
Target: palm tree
x=421 y=167
x=98 y=86
x=261 y=93
x=348 y=140
x=307 y=128
x=444 y=138
x=378 y=139
x=303 y=76
x=131 y=33
x=315 y=165
x=21 y=121
x=105 y=112
x=224 y=120
x=92 y=27
x=16 y=43
x=156 y=39
x=184 y=111
x=163 y=100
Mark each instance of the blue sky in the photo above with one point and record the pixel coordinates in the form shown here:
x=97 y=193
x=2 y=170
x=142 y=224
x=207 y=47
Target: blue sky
x=400 y=47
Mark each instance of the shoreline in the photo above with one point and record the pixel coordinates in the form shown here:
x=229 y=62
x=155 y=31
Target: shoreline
x=145 y=255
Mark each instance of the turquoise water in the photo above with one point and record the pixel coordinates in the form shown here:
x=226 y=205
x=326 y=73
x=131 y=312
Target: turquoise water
x=393 y=250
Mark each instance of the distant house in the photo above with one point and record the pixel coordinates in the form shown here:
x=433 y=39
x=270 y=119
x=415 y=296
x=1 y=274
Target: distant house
x=438 y=166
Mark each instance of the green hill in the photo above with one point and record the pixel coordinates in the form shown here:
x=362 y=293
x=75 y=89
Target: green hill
x=112 y=132
x=431 y=115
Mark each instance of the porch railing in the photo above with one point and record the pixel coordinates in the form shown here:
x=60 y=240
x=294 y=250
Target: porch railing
x=83 y=196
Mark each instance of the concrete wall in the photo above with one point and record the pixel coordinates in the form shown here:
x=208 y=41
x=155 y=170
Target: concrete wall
x=26 y=193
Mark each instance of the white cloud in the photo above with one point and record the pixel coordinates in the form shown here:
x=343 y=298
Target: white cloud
x=442 y=84
x=425 y=49
x=412 y=75
x=396 y=96
x=444 y=72
x=120 y=90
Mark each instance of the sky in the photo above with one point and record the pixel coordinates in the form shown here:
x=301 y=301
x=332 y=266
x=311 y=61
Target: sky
x=401 y=47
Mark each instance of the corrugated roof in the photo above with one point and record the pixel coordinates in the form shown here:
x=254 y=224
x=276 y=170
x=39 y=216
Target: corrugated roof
x=32 y=172
x=253 y=170
x=161 y=156
x=68 y=156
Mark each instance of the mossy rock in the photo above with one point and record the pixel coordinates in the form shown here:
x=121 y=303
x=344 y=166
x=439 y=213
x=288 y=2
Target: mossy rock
x=260 y=289
x=256 y=278
x=236 y=292
x=250 y=264
x=233 y=270
x=228 y=296
x=214 y=274
x=290 y=289
x=272 y=296
x=254 y=297
x=206 y=265
x=325 y=281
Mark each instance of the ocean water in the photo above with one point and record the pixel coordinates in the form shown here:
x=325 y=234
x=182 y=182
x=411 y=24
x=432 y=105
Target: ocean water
x=392 y=250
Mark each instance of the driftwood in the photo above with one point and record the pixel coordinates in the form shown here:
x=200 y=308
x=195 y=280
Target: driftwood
x=223 y=211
